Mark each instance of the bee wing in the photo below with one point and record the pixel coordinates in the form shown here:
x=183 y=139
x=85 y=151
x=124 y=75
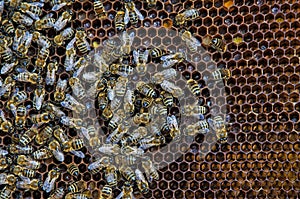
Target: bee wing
x=120 y=195
x=87 y=44
x=146 y=54
x=58 y=6
x=32 y=15
x=58 y=155
x=85 y=133
x=39 y=102
x=39 y=4
x=78 y=153
x=126 y=17
x=136 y=56
x=7 y=68
x=71 y=44
x=1 y=6
x=139 y=14
x=3 y=178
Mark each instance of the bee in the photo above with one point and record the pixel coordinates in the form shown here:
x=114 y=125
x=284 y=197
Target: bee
x=26 y=76
x=106 y=192
x=194 y=87
x=58 y=4
x=42 y=118
x=99 y=164
x=19 y=34
x=59 y=134
x=32 y=9
x=50 y=75
x=8 y=27
x=20 y=117
x=147 y=102
x=6 y=88
x=28 y=136
x=126 y=160
x=186 y=15
x=146 y=89
x=167 y=98
x=172 y=59
x=99 y=9
x=73 y=170
x=81 y=42
x=199 y=127
x=166 y=74
x=6 y=53
x=58 y=193
x=129 y=99
x=22 y=171
x=132 y=150
x=76 y=186
x=218 y=44
x=27 y=162
x=127 y=191
x=5 y=125
x=140 y=59
x=42 y=154
x=72 y=104
x=109 y=149
x=44 y=135
x=62 y=21
x=59 y=93
x=7 y=192
x=9 y=179
x=173 y=126
x=76 y=123
x=55 y=148
x=5 y=162
x=27 y=184
x=132 y=14
x=45 y=23
x=8 y=67
x=127 y=40
x=107 y=113
x=142 y=118
x=94 y=140
x=43 y=42
x=122 y=70
x=151 y=141
x=79 y=65
x=3 y=152
x=119 y=20
x=17 y=98
x=171 y=88
x=151 y=3
x=150 y=170
x=66 y=34
x=77 y=87
x=116 y=119
x=191 y=42
x=49 y=183
x=38 y=98
x=16 y=149
x=142 y=183
x=157 y=52
x=135 y=136
x=72 y=146
x=22 y=19
x=84 y=195
x=218 y=124
x=194 y=110
x=120 y=87
x=42 y=57
x=117 y=134
x=111 y=175
x=49 y=107
x=221 y=74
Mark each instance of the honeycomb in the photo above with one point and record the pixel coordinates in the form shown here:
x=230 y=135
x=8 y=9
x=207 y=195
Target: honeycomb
x=261 y=158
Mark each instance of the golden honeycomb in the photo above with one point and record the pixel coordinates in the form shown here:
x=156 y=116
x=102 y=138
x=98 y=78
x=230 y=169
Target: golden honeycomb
x=261 y=158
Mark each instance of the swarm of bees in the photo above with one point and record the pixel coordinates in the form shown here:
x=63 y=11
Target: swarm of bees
x=131 y=115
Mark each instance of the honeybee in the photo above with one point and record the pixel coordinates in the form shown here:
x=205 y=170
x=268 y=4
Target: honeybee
x=9 y=179
x=62 y=21
x=142 y=118
x=146 y=89
x=116 y=119
x=142 y=183
x=127 y=40
x=5 y=125
x=16 y=149
x=63 y=36
x=20 y=117
x=61 y=86
x=6 y=53
x=172 y=59
x=27 y=184
x=72 y=104
x=151 y=141
x=199 y=127
x=22 y=19
x=28 y=136
x=38 y=98
x=136 y=135
x=8 y=27
x=26 y=76
x=59 y=134
x=117 y=134
x=186 y=15
x=171 y=88
x=132 y=14
x=7 y=192
x=32 y=9
x=42 y=57
x=42 y=41
x=98 y=165
x=76 y=186
x=22 y=171
x=79 y=65
x=157 y=52
x=218 y=44
x=81 y=42
x=58 y=193
x=119 y=20
x=8 y=67
x=129 y=99
x=166 y=74
x=49 y=107
x=94 y=140
x=50 y=75
x=167 y=98
x=109 y=149
x=127 y=191
x=132 y=150
x=219 y=125
x=111 y=175
x=5 y=162
x=150 y=170
x=122 y=70
x=3 y=152
x=7 y=86
x=84 y=195
x=28 y=162
x=99 y=9
x=221 y=74
x=191 y=42
x=1 y=9
x=45 y=23
x=72 y=146
x=107 y=113
x=173 y=126
x=140 y=59
x=55 y=148
x=70 y=59
x=77 y=87
x=147 y=102
x=45 y=134
x=58 y=4
x=193 y=86
x=194 y=110
x=73 y=170
x=106 y=192
x=17 y=98
x=19 y=34
x=42 y=118
x=49 y=183
x=125 y=160
x=42 y=154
